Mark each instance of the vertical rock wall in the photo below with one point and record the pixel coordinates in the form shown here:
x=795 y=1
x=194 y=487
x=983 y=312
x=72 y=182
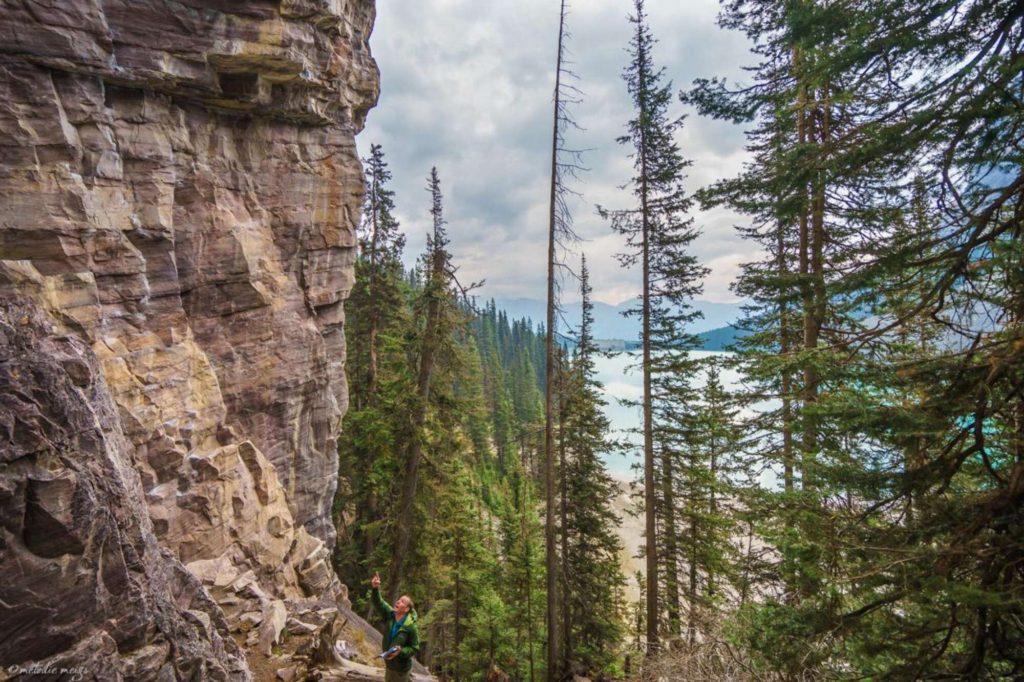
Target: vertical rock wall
x=86 y=587
x=179 y=188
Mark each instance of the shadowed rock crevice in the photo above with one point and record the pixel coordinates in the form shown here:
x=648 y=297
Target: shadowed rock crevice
x=48 y=528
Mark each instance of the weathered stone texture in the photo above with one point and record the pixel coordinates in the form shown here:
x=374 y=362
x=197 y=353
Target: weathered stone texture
x=85 y=583
x=179 y=187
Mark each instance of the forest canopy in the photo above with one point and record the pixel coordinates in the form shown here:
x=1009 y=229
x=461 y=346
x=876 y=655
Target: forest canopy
x=851 y=510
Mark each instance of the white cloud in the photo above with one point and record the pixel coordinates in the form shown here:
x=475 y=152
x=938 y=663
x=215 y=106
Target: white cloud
x=466 y=86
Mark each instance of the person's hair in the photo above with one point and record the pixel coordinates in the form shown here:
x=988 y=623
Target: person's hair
x=411 y=604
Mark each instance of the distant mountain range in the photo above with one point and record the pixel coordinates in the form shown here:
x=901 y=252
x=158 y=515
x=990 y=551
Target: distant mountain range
x=721 y=338
x=716 y=329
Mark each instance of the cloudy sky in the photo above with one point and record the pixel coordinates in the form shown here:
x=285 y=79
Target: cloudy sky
x=466 y=85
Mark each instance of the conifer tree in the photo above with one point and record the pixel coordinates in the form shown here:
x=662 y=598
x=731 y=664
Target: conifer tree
x=592 y=577
x=463 y=576
x=709 y=476
x=378 y=320
x=907 y=448
x=380 y=248
x=438 y=305
x=657 y=234
x=673 y=405
x=522 y=578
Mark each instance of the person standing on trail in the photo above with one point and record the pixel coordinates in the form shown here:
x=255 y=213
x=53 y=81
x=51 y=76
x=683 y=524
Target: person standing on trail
x=400 y=633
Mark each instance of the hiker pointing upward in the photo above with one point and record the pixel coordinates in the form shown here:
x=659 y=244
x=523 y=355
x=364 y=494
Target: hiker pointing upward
x=400 y=633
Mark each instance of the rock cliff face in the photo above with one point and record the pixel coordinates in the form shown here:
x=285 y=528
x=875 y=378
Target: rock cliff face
x=179 y=188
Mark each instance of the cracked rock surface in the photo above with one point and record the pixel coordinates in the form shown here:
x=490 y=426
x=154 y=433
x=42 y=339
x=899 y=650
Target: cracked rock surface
x=86 y=583
x=179 y=189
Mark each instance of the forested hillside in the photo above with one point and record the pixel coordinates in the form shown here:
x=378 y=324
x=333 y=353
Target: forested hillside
x=439 y=463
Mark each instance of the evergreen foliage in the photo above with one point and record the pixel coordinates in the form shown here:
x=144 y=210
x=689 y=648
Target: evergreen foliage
x=458 y=391
x=887 y=168
x=593 y=579
x=658 y=232
x=855 y=510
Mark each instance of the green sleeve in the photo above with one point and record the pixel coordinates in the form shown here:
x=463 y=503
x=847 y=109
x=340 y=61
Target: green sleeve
x=383 y=607
x=412 y=646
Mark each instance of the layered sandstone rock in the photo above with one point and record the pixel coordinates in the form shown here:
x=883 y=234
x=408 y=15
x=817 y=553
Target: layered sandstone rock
x=179 y=188
x=86 y=585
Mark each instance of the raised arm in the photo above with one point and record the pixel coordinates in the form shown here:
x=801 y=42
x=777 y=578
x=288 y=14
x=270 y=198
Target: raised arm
x=383 y=607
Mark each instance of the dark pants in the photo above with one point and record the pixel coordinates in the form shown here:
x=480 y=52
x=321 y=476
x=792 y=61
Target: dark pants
x=395 y=676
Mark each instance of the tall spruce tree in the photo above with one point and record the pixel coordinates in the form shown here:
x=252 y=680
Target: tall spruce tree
x=438 y=304
x=658 y=233
x=901 y=554
x=592 y=576
x=380 y=246
x=378 y=320
x=711 y=473
x=467 y=614
x=673 y=404
x=523 y=577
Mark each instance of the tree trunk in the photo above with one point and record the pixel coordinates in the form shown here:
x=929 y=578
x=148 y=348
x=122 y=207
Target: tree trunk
x=787 y=379
x=549 y=398
x=371 y=341
x=671 y=550
x=692 y=592
x=814 y=301
x=808 y=392
x=651 y=528
x=713 y=507
x=403 y=530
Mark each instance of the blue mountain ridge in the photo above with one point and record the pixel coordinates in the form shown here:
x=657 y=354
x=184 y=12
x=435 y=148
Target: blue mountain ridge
x=716 y=329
